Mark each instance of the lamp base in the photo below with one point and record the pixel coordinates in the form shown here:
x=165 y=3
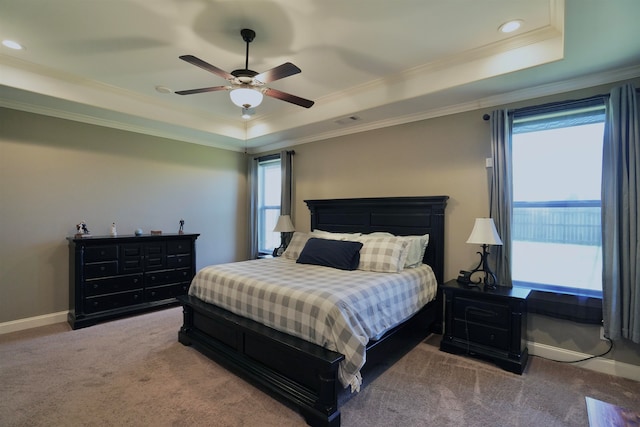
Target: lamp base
x=489 y=280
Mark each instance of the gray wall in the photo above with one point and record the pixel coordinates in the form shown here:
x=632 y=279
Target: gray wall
x=55 y=173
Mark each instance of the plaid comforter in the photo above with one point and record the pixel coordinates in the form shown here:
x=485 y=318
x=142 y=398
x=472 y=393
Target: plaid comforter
x=337 y=309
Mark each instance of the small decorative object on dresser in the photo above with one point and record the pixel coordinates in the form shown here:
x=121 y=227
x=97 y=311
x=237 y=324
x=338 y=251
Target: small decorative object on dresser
x=489 y=324
x=111 y=277
x=181 y=229
x=82 y=230
x=138 y=232
x=114 y=232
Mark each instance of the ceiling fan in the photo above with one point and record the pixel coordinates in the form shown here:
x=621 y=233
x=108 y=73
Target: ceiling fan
x=247 y=86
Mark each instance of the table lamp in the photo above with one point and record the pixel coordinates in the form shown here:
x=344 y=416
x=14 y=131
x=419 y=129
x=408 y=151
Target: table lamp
x=284 y=226
x=484 y=233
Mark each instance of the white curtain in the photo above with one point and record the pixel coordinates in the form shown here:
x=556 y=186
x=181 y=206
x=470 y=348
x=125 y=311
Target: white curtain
x=501 y=196
x=620 y=221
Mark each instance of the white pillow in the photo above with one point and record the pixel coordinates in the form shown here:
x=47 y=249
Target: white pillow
x=383 y=254
x=415 y=250
x=298 y=240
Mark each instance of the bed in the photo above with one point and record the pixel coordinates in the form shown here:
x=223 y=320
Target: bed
x=297 y=371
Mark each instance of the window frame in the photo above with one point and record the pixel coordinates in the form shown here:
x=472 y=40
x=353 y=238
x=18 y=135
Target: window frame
x=261 y=208
x=584 y=108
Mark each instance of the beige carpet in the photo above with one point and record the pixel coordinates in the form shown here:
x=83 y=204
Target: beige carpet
x=133 y=372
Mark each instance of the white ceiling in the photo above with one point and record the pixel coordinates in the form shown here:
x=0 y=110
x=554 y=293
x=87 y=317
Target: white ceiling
x=384 y=62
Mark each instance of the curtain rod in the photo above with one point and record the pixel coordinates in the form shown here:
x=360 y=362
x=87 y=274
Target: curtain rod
x=486 y=116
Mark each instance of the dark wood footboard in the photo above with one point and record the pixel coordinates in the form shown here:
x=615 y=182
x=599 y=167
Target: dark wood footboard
x=297 y=372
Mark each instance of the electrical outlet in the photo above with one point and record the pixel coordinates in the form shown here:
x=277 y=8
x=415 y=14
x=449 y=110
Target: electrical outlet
x=602 y=333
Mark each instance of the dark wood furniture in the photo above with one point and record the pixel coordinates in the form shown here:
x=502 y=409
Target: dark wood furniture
x=111 y=277
x=302 y=374
x=490 y=324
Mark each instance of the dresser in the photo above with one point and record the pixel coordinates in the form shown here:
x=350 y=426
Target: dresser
x=487 y=324
x=111 y=277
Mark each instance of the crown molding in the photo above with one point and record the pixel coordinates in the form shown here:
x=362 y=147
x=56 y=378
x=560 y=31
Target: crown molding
x=506 y=98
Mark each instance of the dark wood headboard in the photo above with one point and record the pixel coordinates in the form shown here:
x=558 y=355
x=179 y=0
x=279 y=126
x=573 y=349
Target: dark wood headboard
x=401 y=216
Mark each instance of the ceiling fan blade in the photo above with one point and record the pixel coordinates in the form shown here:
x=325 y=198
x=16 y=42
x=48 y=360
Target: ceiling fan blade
x=202 y=90
x=283 y=96
x=206 y=66
x=280 y=72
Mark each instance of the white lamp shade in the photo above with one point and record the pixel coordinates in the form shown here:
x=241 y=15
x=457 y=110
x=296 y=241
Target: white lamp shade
x=484 y=233
x=247 y=98
x=284 y=224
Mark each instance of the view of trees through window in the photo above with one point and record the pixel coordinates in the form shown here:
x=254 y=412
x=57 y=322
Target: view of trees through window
x=556 y=230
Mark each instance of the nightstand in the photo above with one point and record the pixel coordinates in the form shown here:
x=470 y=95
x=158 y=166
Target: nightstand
x=487 y=324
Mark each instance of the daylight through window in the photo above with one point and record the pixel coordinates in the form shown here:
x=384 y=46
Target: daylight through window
x=557 y=169
x=269 y=187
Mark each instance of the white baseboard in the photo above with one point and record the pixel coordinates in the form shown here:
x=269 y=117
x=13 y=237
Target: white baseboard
x=598 y=364
x=33 y=322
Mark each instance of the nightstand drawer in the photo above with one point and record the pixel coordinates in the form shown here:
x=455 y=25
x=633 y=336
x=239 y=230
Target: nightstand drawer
x=483 y=312
x=497 y=338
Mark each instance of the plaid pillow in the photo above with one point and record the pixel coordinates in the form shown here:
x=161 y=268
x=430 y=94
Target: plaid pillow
x=296 y=245
x=383 y=254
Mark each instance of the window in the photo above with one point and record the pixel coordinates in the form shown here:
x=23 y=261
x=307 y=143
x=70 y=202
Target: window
x=268 y=203
x=557 y=169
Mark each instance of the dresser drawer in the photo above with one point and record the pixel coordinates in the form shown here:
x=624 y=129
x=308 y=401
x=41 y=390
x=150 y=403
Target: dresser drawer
x=100 y=269
x=165 y=277
x=100 y=253
x=483 y=312
x=155 y=262
x=112 y=301
x=112 y=284
x=179 y=247
x=177 y=261
x=165 y=292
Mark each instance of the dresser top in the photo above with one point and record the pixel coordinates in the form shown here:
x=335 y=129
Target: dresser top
x=132 y=237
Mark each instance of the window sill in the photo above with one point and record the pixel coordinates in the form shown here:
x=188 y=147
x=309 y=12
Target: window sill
x=577 y=308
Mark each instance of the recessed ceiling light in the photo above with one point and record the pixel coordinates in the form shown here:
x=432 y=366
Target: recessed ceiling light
x=163 y=89
x=511 y=26
x=12 y=44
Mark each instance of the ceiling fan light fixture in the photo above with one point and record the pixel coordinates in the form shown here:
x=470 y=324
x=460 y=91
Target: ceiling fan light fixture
x=247 y=113
x=246 y=98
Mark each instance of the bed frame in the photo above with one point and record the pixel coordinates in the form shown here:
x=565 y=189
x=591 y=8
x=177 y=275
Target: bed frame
x=297 y=372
